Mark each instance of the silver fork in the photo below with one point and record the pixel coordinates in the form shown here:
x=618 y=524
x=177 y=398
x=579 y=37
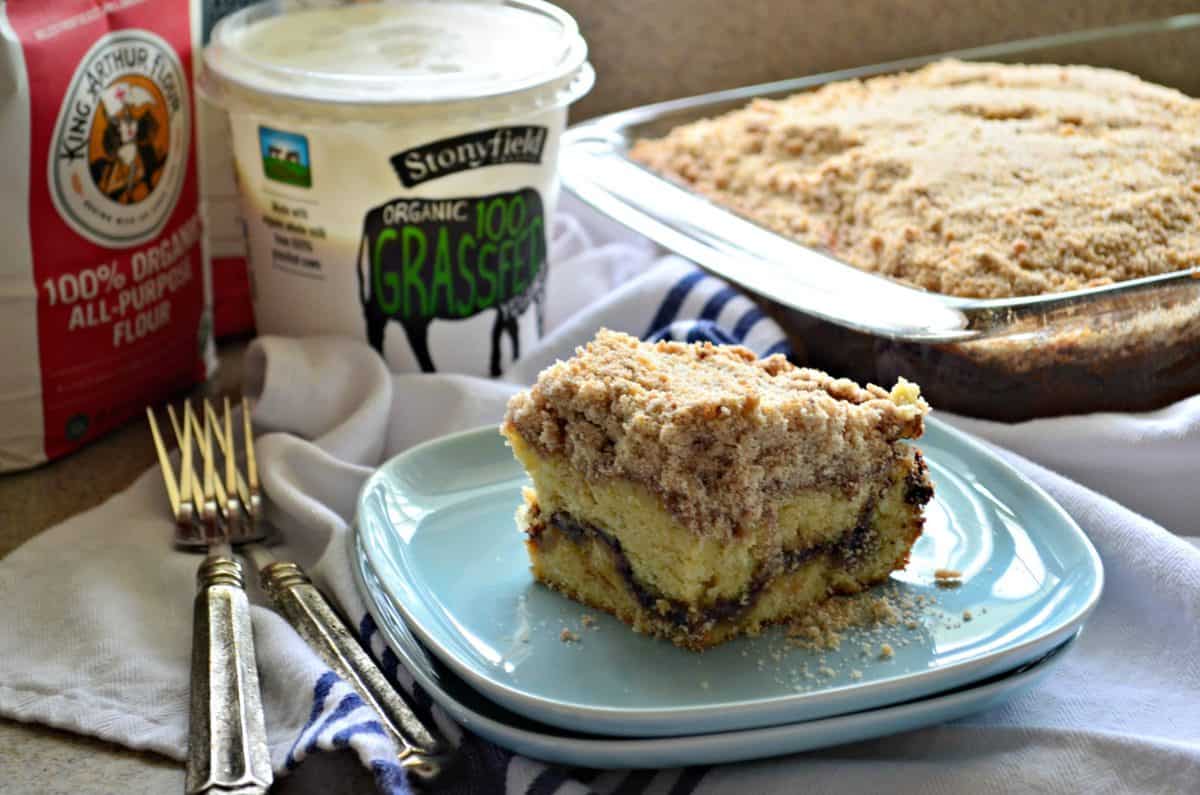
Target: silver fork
x=421 y=752
x=227 y=736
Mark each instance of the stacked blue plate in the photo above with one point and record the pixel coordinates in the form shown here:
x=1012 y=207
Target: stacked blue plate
x=443 y=571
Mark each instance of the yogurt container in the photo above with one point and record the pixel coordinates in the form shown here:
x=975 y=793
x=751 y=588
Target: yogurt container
x=397 y=163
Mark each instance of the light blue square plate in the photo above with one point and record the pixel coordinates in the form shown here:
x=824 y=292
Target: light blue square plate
x=435 y=526
x=493 y=722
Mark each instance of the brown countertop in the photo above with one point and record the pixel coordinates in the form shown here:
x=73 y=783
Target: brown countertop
x=650 y=51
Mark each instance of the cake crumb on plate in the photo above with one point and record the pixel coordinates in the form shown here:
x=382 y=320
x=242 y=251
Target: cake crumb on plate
x=948 y=578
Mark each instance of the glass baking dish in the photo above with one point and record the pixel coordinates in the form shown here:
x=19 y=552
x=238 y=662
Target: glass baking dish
x=1128 y=346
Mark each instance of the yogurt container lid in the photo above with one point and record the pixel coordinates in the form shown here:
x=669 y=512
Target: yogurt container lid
x=406 y=52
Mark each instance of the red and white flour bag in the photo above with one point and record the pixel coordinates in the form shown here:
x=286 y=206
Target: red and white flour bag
x=104 y=297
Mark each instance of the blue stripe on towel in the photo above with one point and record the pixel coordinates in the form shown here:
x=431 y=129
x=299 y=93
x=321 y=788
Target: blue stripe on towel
x=708 y=331
x=422 y=703
x=779 y=347
x=673 y=300
x=636 y=782
x=390 y=777
x=389 y=663
x=688 y=780
x=746 y=322
x=320 y=693
x=717 y=303
x=342 y=737
x=367 y=630
x=348 y=704
x=663 y=334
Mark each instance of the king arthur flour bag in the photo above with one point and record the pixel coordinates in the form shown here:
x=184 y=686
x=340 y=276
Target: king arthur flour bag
x=103 y=305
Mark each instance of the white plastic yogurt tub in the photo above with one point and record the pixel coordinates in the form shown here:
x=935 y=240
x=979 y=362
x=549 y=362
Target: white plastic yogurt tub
x=397 y=161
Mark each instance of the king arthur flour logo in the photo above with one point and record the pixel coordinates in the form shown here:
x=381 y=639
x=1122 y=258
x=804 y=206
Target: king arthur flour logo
x=119 y=152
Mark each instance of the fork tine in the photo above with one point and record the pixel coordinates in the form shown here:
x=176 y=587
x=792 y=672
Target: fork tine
x=210 y=515
x=209 y=469
x=226 y=447
x=251 y=459
x=194 y=425
x=164 y=463
x=197 y=429
x=186 y=486
x=175 y=424
x=230 y=464
x=183 y=493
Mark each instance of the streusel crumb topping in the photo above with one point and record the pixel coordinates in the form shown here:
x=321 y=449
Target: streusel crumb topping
x=720 y=434
x=968 y=179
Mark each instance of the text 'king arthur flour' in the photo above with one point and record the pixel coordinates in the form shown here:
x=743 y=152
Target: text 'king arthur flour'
x=102 y=282
x=397 y=164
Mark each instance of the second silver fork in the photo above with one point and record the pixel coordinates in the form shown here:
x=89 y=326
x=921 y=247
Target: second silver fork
x=293 y=594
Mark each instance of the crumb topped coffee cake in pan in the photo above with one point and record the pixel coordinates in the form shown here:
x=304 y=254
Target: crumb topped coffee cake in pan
x=967 y=179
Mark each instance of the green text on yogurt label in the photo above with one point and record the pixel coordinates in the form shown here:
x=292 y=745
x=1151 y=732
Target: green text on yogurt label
x=427 y=259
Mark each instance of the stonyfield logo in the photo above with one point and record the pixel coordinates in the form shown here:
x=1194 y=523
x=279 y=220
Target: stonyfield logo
x=119 y=152
x=474 y=150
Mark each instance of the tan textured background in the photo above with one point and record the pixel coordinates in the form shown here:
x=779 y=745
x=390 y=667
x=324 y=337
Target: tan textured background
x=643 y=51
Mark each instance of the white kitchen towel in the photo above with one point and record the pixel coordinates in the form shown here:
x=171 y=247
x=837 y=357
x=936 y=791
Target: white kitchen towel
x=98 y=627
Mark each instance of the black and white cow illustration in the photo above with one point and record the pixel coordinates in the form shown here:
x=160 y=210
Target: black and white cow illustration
x=279 y=153
x=422 y=260
x=508 y=315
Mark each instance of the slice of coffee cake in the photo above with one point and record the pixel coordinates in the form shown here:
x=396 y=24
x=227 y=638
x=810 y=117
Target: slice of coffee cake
x=698 y=493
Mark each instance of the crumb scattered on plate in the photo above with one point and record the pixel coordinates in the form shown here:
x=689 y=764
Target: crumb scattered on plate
x=948 y=578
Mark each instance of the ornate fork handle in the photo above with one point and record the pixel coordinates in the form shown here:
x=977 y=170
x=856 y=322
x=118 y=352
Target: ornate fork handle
x=421 y=753
x=227 y=737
